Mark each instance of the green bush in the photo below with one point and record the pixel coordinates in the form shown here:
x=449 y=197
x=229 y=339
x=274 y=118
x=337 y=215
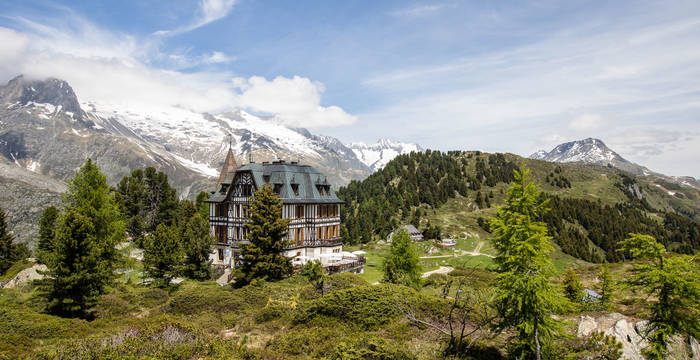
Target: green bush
x=370 y=347
x=163 y=340
x=369 y=306
x=343 y=281
x=111 y=305
x=196 y=300
x=312 y=341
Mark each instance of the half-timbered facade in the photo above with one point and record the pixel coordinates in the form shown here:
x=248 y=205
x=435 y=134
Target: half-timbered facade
x=308 y=201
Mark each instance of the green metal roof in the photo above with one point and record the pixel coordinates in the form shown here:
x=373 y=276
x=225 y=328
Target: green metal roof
x=286 y=176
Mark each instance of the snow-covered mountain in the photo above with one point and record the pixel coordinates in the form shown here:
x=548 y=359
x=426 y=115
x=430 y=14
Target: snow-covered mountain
x=587 y=150
x=380 y=153
x=38 y=115
x=594 y=151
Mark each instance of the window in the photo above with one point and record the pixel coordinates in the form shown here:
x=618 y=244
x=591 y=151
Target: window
x=221 y=254
x=266 y=179
x=299 y=236
x=278 y=189
x=300 y=211
x=295 y=188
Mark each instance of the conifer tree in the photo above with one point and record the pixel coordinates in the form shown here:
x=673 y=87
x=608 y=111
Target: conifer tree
x=674 y=280
x=202 y=206
x=402 y=265
x=9 y=251
x=47 y=232
x=82 y=263
x=313 y=270
x=606 y=286
x=198 y=245
x=525 y=297
x=263 y=258
x=76 y=274
x=162 y=255
x=572 y=286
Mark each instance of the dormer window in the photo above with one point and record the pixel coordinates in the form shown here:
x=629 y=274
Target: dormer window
x=266 y=179
x=295 y=188
x=278 y=189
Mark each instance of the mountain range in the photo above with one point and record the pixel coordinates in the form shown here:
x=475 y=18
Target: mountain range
x=46 y=133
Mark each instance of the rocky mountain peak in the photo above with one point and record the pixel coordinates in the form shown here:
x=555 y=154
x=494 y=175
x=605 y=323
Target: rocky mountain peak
x=23 y=91
x=588 y=150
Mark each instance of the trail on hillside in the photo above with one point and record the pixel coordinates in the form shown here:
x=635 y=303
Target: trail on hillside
x=440 y=270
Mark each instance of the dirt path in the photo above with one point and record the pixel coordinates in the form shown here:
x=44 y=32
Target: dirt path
x=441 y=270
x=477 y=251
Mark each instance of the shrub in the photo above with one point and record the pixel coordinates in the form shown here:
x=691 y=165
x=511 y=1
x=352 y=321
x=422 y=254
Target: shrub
x=370 y=347
x=158 y=341
x=343 y=281
x=368 y=306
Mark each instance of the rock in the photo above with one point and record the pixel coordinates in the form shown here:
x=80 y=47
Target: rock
x=228 y=333
x=586 y=326
x=694 y=348
x=26 y=276
x=632 y=343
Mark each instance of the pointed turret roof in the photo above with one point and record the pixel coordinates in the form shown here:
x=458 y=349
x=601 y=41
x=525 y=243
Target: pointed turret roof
x=229 y=167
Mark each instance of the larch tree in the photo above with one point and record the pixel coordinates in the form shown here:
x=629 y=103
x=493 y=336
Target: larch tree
x=673 y=281
x=572 y=286
x=84 y=255
x=525 y=297
x=402 y=265
x=606 y=286
x=263 y=258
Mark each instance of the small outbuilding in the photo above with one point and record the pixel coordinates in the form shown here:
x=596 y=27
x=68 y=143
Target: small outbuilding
x=412 y=232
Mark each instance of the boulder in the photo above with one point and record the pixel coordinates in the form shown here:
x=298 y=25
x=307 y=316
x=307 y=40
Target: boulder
x=26 y=276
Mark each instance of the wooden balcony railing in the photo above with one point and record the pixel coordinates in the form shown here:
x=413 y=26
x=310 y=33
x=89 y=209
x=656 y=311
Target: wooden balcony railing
x=335 y=241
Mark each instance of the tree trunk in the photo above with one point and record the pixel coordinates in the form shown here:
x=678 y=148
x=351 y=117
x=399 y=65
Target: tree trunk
x=537 y=340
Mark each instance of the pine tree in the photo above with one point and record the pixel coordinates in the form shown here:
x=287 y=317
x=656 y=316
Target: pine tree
x=9 y=251
x=198 y=245
x=263 y=258
x=162 y=255
x=202 y=206
x=525 y=297
x=47 y=232
x=313 y=270
x=674 y=280
x=402 y=265
x=91 y=196
x=84 y=258
x=77 y=274
x=572 y=286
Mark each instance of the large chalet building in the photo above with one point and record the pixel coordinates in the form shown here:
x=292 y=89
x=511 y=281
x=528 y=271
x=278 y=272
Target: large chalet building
x=308 y=201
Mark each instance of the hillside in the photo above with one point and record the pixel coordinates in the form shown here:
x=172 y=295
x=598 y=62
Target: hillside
x=594 y=206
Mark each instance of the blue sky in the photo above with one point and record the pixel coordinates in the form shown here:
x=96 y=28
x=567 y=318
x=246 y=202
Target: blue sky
x=508 y=76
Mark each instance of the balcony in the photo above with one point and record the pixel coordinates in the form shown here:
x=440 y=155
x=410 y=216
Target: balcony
x=346 y=265
x=335 y=241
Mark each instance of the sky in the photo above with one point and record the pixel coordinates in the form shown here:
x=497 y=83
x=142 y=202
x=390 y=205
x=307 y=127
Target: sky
x=497 y=76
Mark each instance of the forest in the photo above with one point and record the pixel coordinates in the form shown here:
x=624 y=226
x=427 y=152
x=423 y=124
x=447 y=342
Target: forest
x=412 y=184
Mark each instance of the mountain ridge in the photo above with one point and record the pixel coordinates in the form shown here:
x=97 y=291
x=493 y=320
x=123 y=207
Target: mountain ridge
x=594 y=151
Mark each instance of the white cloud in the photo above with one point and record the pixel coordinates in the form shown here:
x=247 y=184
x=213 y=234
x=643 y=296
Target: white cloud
x=295 y=101
x=109 y=67
x=207 y=12
x=217 y=57
x=587 y=122
x=598 y=76
x=417 y=11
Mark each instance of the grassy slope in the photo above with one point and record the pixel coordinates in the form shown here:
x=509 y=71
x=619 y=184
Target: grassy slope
x=204 y=320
